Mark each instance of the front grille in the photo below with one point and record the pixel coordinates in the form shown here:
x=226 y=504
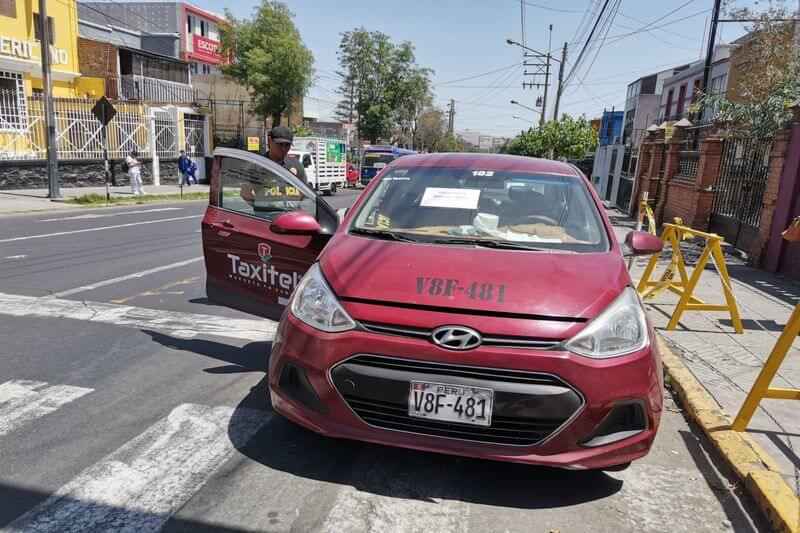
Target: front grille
x=528 y=406
x=499 y=341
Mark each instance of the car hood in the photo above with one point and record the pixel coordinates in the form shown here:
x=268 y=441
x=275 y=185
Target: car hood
x=506 y=282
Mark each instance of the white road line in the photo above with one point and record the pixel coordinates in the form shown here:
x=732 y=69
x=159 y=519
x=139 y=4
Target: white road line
x=23 y=401
x=114 y=214
x=142 y=484
x=127 y=277
x=58 y=233
x=176 y=324
x=16 y=257
x=399 y=507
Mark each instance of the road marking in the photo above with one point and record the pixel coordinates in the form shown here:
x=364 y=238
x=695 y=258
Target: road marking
x=23 y=401
x=85 y=230
x=126 y=277
x=174 y=323
x=156 y=292
x=397 y=504
x=16 y=257
x=143 y=483
x=104 y=215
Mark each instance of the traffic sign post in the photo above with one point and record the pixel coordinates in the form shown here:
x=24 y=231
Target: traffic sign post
x=104 y=111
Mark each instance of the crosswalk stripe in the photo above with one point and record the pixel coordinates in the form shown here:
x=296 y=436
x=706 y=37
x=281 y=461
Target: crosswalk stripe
x=177 y=324
x=23 y=401
x=398 y=506
x=144 y=482
x=85 y=230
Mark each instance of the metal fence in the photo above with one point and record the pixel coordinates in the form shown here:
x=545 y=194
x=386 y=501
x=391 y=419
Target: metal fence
x=79 y=134
x=688 y=162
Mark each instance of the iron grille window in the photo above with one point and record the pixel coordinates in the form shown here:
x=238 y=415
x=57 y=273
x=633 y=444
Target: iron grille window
x=13 y=111
x=37 y=28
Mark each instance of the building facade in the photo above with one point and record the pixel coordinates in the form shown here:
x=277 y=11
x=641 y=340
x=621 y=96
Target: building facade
x=642 y=105
x=611 y=127
x=679 y=90
x=175 y=29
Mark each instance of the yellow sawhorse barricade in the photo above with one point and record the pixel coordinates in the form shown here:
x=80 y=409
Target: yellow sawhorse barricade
x=684 y=286
x=761 y=388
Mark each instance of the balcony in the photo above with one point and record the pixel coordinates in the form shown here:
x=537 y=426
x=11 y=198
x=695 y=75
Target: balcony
x=136 y=87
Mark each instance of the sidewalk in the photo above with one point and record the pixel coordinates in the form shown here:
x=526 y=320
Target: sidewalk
x=25 y=200
x=727 y=363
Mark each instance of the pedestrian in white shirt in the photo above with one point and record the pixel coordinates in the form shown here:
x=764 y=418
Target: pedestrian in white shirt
x=134 y=173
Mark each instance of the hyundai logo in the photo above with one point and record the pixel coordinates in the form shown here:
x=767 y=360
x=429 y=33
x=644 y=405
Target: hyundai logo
x=456 y=337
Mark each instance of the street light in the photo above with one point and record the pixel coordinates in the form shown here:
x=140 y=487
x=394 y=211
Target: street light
x=526 y=107
x=514 y=41
x=525 y=119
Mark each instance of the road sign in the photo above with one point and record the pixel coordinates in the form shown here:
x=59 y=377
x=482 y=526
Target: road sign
x=104 y=110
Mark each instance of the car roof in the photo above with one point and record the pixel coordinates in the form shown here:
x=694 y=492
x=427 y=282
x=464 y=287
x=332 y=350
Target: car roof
x=488 y=162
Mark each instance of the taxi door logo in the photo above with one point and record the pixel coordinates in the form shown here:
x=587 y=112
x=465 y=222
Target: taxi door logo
x=264 y=251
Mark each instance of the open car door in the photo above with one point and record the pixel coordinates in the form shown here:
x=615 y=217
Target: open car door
x=263 y=228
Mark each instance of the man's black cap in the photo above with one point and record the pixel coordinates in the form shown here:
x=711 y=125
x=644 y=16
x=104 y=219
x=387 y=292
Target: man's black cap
x=281 y=134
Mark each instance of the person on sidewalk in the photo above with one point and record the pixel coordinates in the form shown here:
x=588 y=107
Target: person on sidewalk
x=135 y=173
x=188 y=169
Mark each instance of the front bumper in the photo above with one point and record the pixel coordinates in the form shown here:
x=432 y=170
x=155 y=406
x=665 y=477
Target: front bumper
x=567 y=410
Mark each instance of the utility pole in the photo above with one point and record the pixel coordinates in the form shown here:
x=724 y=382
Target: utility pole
x=49 y=108
x=541 y=62
x=712 y=37
x=560 y=81
x=451 y=116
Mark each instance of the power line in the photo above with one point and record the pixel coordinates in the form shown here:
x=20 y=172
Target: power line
x=476 y=75
x=602 y=42
x=550 y=8
x=586 y=44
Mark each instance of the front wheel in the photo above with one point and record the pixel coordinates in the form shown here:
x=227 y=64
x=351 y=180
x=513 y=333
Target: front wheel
x=331 y=191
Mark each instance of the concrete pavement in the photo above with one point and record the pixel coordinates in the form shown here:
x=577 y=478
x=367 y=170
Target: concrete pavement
x=136 y=404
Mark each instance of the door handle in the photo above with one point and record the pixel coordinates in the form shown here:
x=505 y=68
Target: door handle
x=226 y=224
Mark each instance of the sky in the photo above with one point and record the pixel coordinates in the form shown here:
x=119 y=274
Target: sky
x=464 y=38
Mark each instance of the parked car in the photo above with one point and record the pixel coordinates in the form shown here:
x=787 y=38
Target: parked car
x=476 y=305
x=352 y=173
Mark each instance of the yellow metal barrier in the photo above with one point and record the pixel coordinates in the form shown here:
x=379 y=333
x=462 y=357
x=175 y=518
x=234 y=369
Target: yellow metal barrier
x=646 y=212
x=761 y=388
x=685 y=285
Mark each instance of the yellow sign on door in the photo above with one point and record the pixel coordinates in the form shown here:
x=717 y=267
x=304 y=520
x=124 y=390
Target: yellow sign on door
x=252 y=143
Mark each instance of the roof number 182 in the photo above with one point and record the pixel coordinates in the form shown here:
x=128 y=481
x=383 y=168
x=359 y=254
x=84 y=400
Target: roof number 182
x=483 y=172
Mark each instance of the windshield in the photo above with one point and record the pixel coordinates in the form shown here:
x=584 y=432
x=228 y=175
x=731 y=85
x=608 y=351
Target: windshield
x=483 y=207
x=382 y=160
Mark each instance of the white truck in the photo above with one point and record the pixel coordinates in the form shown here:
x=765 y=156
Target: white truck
x=325 y=162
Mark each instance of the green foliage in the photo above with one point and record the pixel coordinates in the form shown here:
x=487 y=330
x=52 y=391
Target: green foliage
x=566 y=137
x=269 y=58
x=430 y=129
x=389 y=89
x=301 y=130
x=766 y=81
x=455 y=143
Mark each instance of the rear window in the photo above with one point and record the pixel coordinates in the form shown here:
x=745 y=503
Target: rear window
x=460 y=205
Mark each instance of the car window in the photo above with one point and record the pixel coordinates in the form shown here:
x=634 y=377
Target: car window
x=253 y=190
x=377 y=160
x=451 y=205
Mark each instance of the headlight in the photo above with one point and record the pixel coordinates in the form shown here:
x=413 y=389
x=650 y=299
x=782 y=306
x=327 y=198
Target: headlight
x=620 y=329
x=315 y=304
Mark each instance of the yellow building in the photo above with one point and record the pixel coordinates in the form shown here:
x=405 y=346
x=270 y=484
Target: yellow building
x=20 y=50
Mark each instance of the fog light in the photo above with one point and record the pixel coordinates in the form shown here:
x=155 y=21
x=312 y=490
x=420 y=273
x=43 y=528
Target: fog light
x=294 y=382
x=625 y=420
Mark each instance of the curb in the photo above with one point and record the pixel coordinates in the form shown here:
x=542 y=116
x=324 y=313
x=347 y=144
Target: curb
x=752 y=464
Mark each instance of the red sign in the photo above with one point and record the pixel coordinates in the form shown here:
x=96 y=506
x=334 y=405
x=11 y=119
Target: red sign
x=205 y=49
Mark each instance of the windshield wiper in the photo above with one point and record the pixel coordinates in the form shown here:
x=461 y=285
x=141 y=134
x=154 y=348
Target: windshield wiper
x=380 y=234
x=503 y=245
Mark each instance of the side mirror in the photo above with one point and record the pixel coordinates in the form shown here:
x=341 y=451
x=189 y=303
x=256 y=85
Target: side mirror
x=295 y=222
x=641 y=243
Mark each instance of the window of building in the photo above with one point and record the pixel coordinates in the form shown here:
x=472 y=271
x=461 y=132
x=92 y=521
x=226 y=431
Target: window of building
x=13 y=111
x=681 y=99
x=189 y=24
x=718 y=85
x=193 y=67
x=203 y=28
x=668 y=110
x=37 y=28
x=206 y=69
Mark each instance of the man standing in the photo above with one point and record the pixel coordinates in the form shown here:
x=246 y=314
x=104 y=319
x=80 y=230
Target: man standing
x=134 y=173
x=187 y=168
x=279 y=142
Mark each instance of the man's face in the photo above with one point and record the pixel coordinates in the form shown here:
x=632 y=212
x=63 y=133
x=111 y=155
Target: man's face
x=278 y=151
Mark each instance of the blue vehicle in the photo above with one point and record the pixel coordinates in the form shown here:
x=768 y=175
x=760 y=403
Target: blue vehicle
x=376 y=157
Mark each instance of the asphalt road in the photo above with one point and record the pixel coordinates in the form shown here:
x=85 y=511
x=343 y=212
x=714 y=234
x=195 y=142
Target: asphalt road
x=128 y=402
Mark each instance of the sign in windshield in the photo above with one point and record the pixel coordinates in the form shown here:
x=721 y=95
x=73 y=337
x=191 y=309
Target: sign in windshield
x=483 y=206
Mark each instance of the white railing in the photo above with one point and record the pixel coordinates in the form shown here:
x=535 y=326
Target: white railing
x=79 y=133
x=135 y=87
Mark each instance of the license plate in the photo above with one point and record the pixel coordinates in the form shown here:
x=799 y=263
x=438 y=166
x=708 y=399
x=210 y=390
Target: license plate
x=450 y=403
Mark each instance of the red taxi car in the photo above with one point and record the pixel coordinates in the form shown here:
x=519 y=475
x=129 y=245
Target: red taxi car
x=468 y=304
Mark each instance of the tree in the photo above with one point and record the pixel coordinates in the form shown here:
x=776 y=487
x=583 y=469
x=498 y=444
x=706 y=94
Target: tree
x=763 y=79
x=269 y=58
x=301 y=130
x=430 y=128
x=566 y=137
x=389 y=90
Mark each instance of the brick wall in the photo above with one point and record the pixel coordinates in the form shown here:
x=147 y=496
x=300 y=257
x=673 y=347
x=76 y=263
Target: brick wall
x=99 y=60
x=777 y=157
